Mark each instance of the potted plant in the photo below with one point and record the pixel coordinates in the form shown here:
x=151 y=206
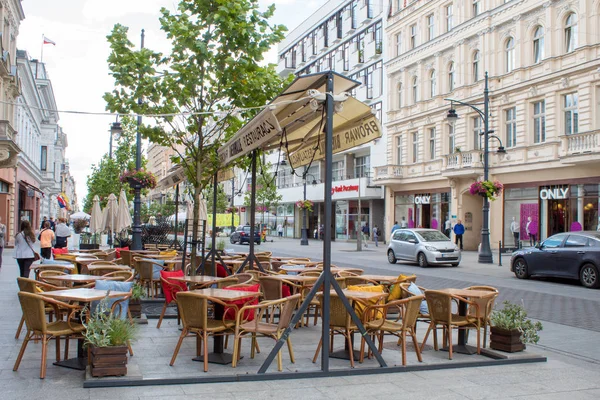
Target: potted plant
x=139 y=177
x=511 y=329
x=487 y=189
x=107 y=336
x=135 y=301
x=305 y=205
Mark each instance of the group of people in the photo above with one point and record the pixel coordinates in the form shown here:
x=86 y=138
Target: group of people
x=51 y=234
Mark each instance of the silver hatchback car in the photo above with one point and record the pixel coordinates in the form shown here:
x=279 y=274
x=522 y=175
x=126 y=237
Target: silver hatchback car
x=424 y=246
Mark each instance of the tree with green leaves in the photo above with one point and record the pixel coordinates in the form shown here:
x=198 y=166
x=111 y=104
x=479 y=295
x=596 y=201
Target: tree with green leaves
x=104 y=178
x=203 y=91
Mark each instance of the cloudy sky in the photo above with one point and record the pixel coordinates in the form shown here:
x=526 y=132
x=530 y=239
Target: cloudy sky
x=77 y=64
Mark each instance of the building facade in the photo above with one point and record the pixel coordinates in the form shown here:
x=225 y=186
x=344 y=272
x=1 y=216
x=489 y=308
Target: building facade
x=543 y=62
x=346 y=37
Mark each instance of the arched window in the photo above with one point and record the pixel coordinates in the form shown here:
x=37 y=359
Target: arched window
x=571 y=32
x=538 y=45
x=433 y=84
x=415 y=90
x=399 y=94
x=509 y=49
x=451 y=77
x=476 y=66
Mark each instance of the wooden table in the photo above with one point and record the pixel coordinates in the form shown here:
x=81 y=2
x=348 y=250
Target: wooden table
x=83 y=295
x=218 y=356
x=462 y=347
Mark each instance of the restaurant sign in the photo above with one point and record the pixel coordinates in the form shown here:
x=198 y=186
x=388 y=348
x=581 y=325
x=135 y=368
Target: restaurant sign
x=259 y=131
x=344 y=138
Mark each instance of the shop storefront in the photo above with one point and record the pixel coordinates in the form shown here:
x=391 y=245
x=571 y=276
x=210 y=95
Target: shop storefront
x=423 y=210
x=534 y=212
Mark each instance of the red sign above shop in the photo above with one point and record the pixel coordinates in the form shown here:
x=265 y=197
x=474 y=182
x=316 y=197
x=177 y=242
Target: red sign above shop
x=344 y=188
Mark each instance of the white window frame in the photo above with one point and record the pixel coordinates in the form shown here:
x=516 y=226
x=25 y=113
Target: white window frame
x=571 y=113
x=539 y=121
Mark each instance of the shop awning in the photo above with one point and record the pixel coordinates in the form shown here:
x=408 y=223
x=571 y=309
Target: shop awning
x=293 y=122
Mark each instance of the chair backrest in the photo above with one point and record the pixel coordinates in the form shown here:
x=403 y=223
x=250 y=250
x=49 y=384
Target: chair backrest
x=34 y=311
x=271 y=288
x=126 y=276
x=193 y=309
x=287 y=311
x=440 y=306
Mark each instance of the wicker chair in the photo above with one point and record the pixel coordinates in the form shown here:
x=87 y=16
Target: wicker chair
x=193 y=309
x=34 y=310
x=243 y=327
x=125 y=276
x=407 y=311
x=440 y=311
x=486 y=305
x=33 y=286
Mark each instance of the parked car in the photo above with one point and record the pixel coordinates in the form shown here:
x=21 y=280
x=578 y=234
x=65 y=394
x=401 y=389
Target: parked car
x=424 y=246
x=242 y=235
x=573 y=255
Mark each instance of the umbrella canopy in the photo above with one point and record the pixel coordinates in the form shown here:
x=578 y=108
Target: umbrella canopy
x=109 y=215
x=123 y=216
x=79 y=215
x=96 y=217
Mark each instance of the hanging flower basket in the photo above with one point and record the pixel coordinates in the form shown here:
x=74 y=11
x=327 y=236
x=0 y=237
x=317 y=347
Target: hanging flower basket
x=140 y=178
x=487 y=189
x=231 y=210
x=305 y=205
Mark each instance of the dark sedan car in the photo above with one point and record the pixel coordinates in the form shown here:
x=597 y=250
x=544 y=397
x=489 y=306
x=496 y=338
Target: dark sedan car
x=242 y=235
x=574 y=255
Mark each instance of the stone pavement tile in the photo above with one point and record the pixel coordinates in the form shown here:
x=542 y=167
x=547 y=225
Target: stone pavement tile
x=363 y=390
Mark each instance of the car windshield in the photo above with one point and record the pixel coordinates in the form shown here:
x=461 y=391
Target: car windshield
x=433 y=236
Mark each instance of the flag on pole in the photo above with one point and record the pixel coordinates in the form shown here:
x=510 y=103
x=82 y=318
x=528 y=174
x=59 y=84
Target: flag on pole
x=48 y=41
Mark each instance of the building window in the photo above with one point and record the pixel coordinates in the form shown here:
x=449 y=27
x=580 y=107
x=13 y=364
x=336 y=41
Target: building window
x=432 y=84
x=449 y=22
x=539 y=121
x=430 y=27
x=571 y=103
x=538 y=45
x=413 y=36
x=337 y=170
x=571 y=32
x=476 y=66
x=415 y=90
x=432 y=143
x=509 y=57
x=451 y=77
x=415 y=147
x=476 y=9
x=400 y=95
x=398 y=150
x=451 y=139
x=476 y=133
x=511 y=127
x=398 y=44
x=361 y=166
x=44 y=158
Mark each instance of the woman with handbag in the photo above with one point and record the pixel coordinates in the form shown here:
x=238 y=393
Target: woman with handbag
x=23 y=250
x=46 y=238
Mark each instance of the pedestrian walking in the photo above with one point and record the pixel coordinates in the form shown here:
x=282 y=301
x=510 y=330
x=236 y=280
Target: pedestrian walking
x=23 y=248
x=2 y=241
x=459 y=230
x=376 y=235
x=46 y=238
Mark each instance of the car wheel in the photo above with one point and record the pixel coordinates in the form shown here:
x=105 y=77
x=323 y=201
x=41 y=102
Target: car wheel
x=454 y=264
x=422 y=260
x=589 y=276
x=520 y=268
x=391 y=257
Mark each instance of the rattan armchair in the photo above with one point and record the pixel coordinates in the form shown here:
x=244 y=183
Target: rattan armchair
x=34 y=310
x=440 y=312
x=243 y=327
x=193 y=309
x=407 y=311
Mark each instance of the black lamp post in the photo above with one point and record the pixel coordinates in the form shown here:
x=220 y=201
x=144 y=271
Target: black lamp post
x=485 y=253
x=304 y=239
x=137 y=201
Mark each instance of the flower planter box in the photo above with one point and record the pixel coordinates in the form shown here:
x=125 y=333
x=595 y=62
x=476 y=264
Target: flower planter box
x=109 y=361
x=506 y=340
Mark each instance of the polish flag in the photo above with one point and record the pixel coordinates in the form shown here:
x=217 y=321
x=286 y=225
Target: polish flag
x=48 y=41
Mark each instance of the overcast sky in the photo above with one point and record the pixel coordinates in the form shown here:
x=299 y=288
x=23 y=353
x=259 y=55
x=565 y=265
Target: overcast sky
x=77 y=64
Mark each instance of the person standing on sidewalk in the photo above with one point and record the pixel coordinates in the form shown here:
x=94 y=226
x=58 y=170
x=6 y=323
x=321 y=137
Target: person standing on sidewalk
x=46 y=237
x=376 y=235
x=2 y=241
x=23 y=248
x=459 y=230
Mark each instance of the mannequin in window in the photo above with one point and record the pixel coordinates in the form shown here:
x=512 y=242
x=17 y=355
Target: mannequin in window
x=514 y=228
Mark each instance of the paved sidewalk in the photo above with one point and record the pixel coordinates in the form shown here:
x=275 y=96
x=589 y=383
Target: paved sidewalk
x=571 y=371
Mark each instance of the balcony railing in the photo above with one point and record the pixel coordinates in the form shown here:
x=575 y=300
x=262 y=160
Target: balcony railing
x=586 y=142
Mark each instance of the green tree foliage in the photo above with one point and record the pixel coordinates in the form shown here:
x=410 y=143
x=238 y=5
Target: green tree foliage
x=212 y=68
x=104 y=178
x=222 y=202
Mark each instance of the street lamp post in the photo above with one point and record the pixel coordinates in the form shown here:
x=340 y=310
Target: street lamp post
x=137 y=202
x=485 y=252
x=304 y=238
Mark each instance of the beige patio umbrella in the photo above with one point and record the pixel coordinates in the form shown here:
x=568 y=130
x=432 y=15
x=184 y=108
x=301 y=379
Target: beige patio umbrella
x=96 y=217
x=123 y=216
